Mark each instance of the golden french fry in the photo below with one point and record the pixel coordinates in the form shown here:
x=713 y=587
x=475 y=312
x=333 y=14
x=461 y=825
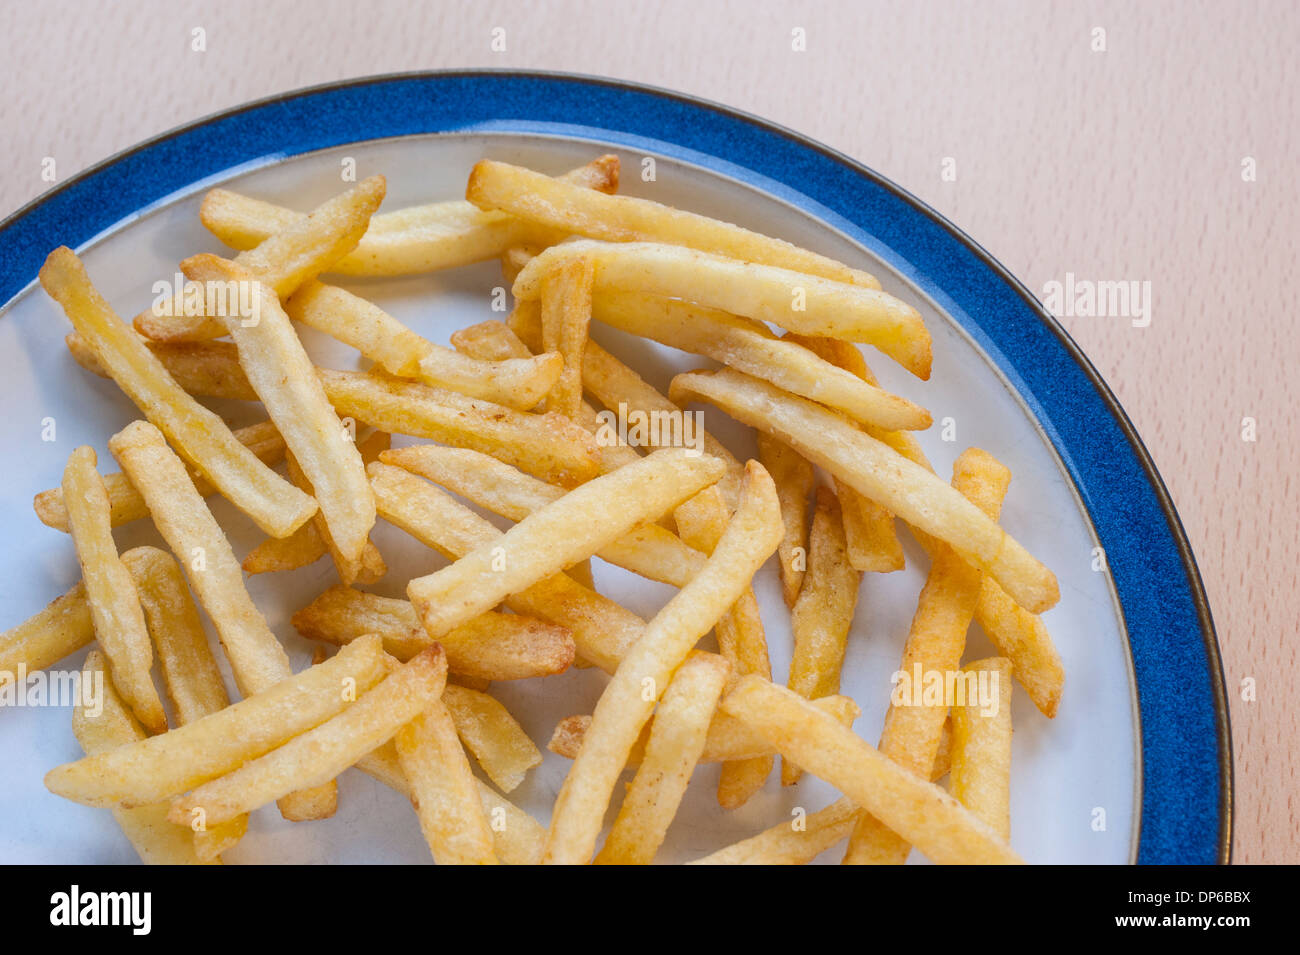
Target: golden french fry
x=935 y=644
x=680 y=725
x=114 y=605
x=602 y=630
x=644 y=672
x=159 y=767
x=296 y=253
x=794 y=478
x=516 y=836
x=318 y=755
x=749 y=346
x=443 y=790
x=126 y=504
x=189 y=669
x=517 y=383
x=489 y=341
x=649 y=549
x=560 y=206
x=275 y=554
x=918 y=810
x=283 y=376
x=558 y=535
x=493 y=646
x=201 y=437
x=793 y=300
x=497 y=741
x=207 y=369
x=823 y=613
x=981 y=750
x=548 y=446
x=157 y=841
x=878 y=471
x=367 y=568
x=408 y=241
x=62 y=628
x=797 y=842
x=566 y=316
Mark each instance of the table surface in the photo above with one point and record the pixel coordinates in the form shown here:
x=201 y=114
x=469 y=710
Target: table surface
x=1169 y=156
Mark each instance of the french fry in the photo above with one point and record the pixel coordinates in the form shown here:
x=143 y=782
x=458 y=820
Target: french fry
x=648 y=549
x=981 y=751
x=201 y=437
x=560 y=534
x=518 y=383
x=728 y=738
x=517 y=837
x=566 y=316
x=741 y=638
x=157 y=841
x=623 y=709
x=749 y=346
x=602 y=630
x=935 y=644
x=283 y=376
x=493 y=646
x=256 y=656
x=114 y=605
x=408 y=241
x=797 y=842
x=878 y=471
x=794 y=478
x=207 y=369
x=275 y=554
x=680 y=725
x=823 y=614
x=560 y=206
x=918 y=810
x=793 y=300
x=318 y=755
x=159 y=767
x=496 y=740
x=61 y=629
x=547 y=446
x=294 y=254
x=126 y=504
x=189 y=669
x=443 y=790
x=367 y=568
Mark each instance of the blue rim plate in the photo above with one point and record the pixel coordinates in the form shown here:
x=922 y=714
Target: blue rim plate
x=1186 y=772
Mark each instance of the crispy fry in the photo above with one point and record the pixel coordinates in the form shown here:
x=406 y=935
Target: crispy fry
x=163 y=766
x=676 y=741
x=648 y=549
x=934 y=645
x=823 y=614
x=200 y=436
x=296 y=253
x=517 y=383
x=318 y=755
x=114 y=605
x=207 y=369
x=275 y=554
x=532 y=196
x=156 y=840
x=408 y=241
x=558 y=535
x=443 y=790
x=602 y=630
x=566 y=316
x=881 y=473
x=62 y=628
x=981 y=750
x=283 y=377
x=189 y=669
x=497 y=741
x=624 y=708
x=493 y=646
x=749 y=346
x=920 y=811
x=794 y=300
x=797 y=842
x=794 y=478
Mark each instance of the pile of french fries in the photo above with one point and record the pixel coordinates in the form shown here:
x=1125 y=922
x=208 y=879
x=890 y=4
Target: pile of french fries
x=400 y=689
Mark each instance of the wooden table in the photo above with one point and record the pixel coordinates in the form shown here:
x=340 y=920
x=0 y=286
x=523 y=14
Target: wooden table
x=1128 y=162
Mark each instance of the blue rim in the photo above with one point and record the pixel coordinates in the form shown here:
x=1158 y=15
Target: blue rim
x=1186 y=812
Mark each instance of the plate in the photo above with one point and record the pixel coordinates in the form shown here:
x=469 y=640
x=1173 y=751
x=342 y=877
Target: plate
x=1136 y=765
